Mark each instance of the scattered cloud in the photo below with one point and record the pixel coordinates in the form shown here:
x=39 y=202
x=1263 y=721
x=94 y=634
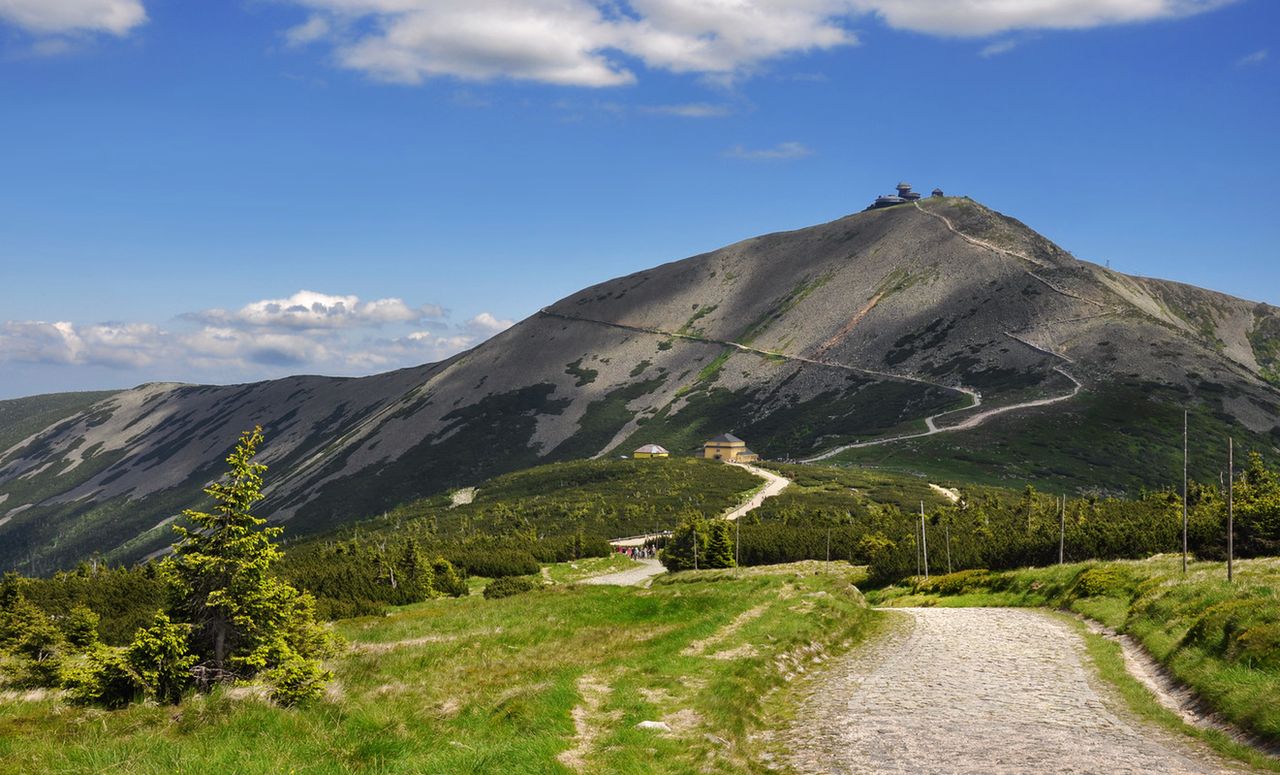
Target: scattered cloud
x=690 y=110
x=977 y=18
x=308 y=310
x=570 y=42
x=780 y=152
x=306 y=331
x=997 y=48
x=57 y=17
x=601 y=43
x=1256 y=58
x=485 y=323
x=310 y=31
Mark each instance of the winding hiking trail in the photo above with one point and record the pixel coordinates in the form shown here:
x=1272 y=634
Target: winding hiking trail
x=979 y=690
x=774 y=484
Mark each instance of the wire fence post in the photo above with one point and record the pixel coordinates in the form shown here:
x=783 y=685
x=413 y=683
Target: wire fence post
x=737 y=546
x=828 y=548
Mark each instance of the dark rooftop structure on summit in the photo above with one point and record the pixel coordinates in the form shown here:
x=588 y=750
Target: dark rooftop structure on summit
x=904 y=195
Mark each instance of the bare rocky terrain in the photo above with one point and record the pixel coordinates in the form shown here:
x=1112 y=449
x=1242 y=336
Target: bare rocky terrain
x=801 y=342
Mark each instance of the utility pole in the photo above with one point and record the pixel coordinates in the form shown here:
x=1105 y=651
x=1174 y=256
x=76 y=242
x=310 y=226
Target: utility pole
x=924 y=542
x=828 y=547
x=1062 y=531
x=1231 y=507
x=1184 y=492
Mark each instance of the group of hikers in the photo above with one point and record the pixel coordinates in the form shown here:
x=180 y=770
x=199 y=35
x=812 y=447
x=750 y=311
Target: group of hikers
x=646 y=552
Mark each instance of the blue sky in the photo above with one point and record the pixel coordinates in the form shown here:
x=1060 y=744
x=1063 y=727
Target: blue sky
x=229 y=191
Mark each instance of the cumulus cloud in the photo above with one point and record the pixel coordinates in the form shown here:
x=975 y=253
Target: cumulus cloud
x=486 y=323
x=306 y=331
x=45 y=17
x=780 y=152
x=308 y=309
x=597 y=43
x=989 y=17
x=570 y=42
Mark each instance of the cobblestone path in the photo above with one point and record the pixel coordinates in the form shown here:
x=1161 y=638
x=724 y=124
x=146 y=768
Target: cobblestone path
x=978 y=690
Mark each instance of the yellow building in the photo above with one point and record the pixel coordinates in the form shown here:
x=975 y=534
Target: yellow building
x=728 y=448
x=650 y=450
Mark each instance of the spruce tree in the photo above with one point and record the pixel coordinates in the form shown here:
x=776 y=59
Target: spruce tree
x=687 y=547
x=720 y=544
x=244 y=621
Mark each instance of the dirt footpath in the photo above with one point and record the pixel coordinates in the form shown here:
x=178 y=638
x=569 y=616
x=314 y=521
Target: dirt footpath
x=979 y=690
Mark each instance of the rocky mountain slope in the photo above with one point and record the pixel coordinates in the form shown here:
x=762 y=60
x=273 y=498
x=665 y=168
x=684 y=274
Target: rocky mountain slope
x=941 y=320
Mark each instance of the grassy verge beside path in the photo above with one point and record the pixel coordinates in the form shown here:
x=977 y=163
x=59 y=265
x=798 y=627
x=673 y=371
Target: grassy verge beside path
x=1221 y=640
x=554 y=680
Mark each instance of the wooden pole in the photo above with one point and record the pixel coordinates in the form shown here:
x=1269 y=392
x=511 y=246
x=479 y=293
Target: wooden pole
x=1231 y=507
x=695 y=548
x=828 y=546
x=924 y=542
x=1184 y=492
x=917 y=552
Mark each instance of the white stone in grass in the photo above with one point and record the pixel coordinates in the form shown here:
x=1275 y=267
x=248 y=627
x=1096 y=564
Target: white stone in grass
x=660 y=726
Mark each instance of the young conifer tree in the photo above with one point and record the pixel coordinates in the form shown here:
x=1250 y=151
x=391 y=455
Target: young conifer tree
x=720 y=544
x=244 y=620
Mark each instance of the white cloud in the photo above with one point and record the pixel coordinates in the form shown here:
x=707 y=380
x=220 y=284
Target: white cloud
x=573 y=42
x=780 y=152
x=115 y=17
x=997 y=48
x=1256 y=58
x=989 y=17
x=486 y=323
x=309 y=309
x=118 y=345
x=310 y=31
x=690 y=110
x=597 y=43
x=307 y=331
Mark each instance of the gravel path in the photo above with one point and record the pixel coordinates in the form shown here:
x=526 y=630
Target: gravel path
x=774 y=484
x=978 y=690
x=630 y=578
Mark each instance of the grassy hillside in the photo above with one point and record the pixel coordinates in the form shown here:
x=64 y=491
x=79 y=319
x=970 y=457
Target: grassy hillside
x=602 y=498
x=529 y=684
x=1221 y=639
x=1117 y=439
x=22 y=417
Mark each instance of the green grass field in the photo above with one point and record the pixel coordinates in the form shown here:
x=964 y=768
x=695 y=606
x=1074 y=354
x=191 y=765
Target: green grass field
x=527 y=684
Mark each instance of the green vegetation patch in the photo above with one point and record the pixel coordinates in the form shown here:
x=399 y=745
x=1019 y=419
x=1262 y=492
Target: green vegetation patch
x=475 y=685
x=584 y=376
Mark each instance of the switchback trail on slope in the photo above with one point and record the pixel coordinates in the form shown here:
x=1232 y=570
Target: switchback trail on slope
x=979 y=690
x=931 y=427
